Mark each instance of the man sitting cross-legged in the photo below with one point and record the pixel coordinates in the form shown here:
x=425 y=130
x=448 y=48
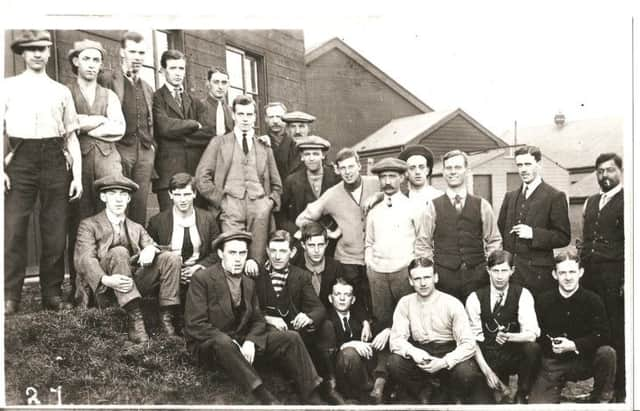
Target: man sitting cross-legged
x=116 y=256
x=224 y=327
x=503 y=320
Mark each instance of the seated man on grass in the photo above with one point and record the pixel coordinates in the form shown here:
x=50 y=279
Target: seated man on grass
x=115 y=256
x=224 y=327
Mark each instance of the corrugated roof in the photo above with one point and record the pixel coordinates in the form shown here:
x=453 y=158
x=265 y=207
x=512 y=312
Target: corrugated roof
x=577 y=143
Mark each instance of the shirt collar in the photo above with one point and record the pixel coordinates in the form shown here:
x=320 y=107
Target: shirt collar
x=565 y=295
x=496 y=293
x=615 y=190
x=183 y=221
x=347 y=315
x=238 y=134
x=453 y=195
x=172 y=88
x=531 y=187
x=114 y=219
x=314 y=268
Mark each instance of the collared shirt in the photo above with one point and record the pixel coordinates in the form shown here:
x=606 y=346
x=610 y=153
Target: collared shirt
x=605 y=197
x=424 y=194
x=315 y=181
x=316 y=271
x=490 y=232
x=35 y=106
x=392 y=232
x=181 y=222
x=117 y=222
x=249 y=134
x=440 y=317
x=173 y=89
x=342 y=317
x=129 y=75
x=531 y=187
x=235 y=287
x=526 y=311
x=356 y=193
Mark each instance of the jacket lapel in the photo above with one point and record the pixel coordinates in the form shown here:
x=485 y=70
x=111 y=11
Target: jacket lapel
x=261 y=157
x=134 y=236
x=166 y=228
x=171 y=101
x=224 y=298
x=104 y=226
x=203 y=231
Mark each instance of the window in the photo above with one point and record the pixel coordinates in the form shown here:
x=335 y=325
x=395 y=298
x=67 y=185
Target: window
x=482 y=187
x=513 y=181
x=245 y=77
x=157 y=42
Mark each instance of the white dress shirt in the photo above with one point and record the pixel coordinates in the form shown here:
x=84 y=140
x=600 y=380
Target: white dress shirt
x=177 y=236
x=249 y=134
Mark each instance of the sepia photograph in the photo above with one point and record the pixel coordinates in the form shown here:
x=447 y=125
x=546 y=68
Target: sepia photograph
x=421 y=208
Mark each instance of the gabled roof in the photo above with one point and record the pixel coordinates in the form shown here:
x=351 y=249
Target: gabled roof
x=584 y=187
x=404 y=130
x=336 y=43
x=577 y=143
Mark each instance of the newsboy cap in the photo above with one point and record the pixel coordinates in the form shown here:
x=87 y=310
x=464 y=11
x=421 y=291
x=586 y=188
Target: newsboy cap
x=80 y=46
x=31 y=38
x=417 y=150
x=223 y=238
x=115 y=181
x=389 y=164
x=312 y=142
x=298 y=117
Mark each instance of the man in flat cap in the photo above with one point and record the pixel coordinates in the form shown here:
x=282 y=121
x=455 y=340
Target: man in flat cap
x=42 y=160
x=137 y=147
x=298 y=123
x=115 y=257
x=225 y=328
x=238 y=177
x=215 y=113
x=419 y=169
x=101 y=125
x=178 y=131
x=461 y=231
x=394 y=237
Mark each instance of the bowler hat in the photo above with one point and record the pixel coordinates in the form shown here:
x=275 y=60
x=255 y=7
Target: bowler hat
x=115 y=181
x=220 y=241
x=298 y=117
x=389 y=164
x=31 y=38
x=80 y=46
x=313 y=142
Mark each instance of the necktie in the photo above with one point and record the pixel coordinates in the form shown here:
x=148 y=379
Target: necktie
x=496 y=306
x=245 y=144
x=220 y=127
x=178 y=94
x=458 y=203
x=345 y=325
x=316 y=280
x=187 y=245
x=389 y=204
x=524 y=192
x=603 y=201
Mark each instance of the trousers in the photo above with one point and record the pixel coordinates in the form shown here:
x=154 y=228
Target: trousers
x=137 y=164
x=250 y=215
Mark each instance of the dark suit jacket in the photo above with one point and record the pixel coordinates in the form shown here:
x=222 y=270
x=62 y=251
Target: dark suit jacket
x=287 y=156
x=297 y=193
x=215 y=163
x=303 y=296
x=209 y=314
x=207 y=114
x=173 y=125
x=355 y=323
x=160 y=228
x=548 y=216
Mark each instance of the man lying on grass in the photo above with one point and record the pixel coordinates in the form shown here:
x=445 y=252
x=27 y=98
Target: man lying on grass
x=224 y=327
x=115 y=256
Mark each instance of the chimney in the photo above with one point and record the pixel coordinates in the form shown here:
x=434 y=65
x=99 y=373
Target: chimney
x=559 y=119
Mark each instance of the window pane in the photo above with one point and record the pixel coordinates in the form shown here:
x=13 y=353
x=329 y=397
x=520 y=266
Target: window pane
x=148 y=75
x=250 y=75
x=148 y=42
x=233 y=93
x=513 y=181
x=234 y=68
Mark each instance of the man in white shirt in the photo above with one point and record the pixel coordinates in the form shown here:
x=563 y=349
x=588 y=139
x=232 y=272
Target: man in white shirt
x=503 y=320
x=419 y=169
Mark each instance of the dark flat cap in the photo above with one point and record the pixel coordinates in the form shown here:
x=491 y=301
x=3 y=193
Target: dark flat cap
x=298 y=117
x=31 y=38
x=417 y=150
x=231 y=235
x=80 y=46
x=389 y=164
x=312 y=142
x=115 y=181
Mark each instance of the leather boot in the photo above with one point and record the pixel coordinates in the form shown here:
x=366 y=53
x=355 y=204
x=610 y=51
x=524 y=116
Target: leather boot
x=137 y=332
x=166 y=320
x=332 y=396
x=55 y=303
x=377 y=394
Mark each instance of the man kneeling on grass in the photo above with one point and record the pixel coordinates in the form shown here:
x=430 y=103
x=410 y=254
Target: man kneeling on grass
x=116 y=256
x=225 y=328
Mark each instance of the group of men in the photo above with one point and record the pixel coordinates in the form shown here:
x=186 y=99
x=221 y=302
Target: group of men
x=263 y=251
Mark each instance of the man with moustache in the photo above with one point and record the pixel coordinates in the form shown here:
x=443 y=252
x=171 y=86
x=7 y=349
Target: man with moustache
x=343 y=202
x=298 y=125
x=101 y=125
x=137 y=146
x=602 y=253
x=180 y=146
x=226 y=329
x=283 y=146
x=238 y=177
x=574 y=336
x=214 y=112
x=41 y=146
x=533 y=220
x=461 y=231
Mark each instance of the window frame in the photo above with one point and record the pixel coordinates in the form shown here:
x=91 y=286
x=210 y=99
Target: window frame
x=259 y=96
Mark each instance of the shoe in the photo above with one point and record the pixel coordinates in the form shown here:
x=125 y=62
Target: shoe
x=265 y=396
x=55 y=303
x=425 y=395
x=521 y=398
x=166 y=320
x=377 y=394
x=332 y=395
x=315 y=399
x=137 y=332
x=11 y=307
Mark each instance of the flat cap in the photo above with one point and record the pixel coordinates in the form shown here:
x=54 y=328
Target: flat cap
x=417 y=150
x=220 y=241
x=389 y=164
x=31 y=38
x=115 y=181
x=298 y=117
x=80 y=46
x=312 y=142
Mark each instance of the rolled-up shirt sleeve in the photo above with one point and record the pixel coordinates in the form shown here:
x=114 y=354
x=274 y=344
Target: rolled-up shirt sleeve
x=473 y=312
x=527 y=314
